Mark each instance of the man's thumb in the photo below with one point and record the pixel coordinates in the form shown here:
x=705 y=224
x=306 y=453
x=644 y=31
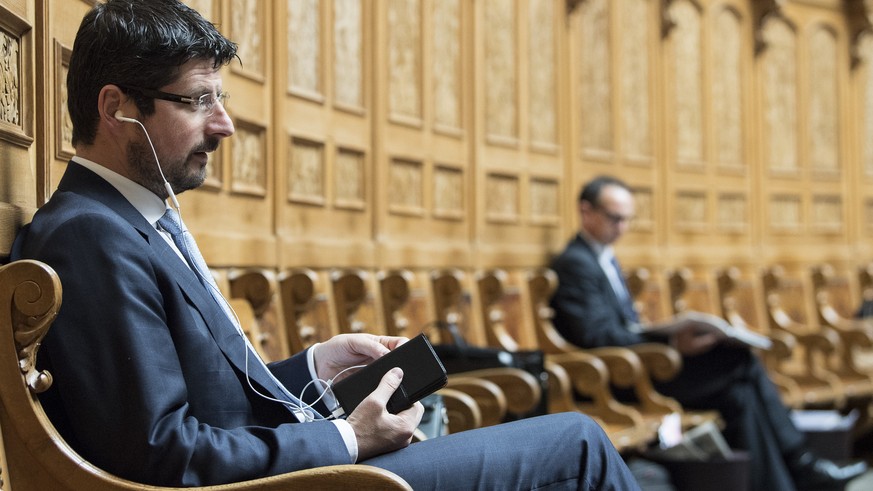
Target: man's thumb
x=390 y=382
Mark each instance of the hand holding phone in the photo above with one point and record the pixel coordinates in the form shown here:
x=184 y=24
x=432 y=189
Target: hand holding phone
x=423 y=374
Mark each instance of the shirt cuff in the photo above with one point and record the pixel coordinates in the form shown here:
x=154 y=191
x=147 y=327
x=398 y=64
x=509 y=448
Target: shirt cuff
x=349 y=438
x=329 y=400
x=327 y=397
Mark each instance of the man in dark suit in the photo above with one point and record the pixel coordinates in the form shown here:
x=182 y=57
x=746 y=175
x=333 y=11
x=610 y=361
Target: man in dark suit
x=593 y=308
x=154 y=380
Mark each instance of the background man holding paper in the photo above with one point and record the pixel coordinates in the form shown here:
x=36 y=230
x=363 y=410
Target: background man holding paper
x=593 y=308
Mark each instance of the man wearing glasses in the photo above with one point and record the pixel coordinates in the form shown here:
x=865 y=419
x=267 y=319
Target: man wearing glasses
x=593 y=309
x=153 y=379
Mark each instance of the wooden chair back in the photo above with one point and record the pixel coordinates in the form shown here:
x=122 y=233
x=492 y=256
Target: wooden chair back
x=258 y=288
x=349 y=289
x=492 y=291
x=394 y=285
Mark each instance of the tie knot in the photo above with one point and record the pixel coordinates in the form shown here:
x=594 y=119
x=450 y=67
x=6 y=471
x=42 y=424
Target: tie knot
x=170 y=222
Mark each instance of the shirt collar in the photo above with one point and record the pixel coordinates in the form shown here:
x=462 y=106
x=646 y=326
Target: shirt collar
x=600 y=250
x=146 y=202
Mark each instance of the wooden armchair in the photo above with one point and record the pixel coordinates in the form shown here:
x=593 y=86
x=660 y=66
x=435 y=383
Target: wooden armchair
x=739 y=307
x=851 y=362
x=496 y=391
x=258 y=288
x=39 y=459
x=820 y=386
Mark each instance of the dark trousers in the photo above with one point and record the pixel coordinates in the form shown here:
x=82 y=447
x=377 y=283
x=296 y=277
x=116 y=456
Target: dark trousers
x=733 y=381
x=559 y=451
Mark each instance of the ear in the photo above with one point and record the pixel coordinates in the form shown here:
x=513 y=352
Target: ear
x=111 y=100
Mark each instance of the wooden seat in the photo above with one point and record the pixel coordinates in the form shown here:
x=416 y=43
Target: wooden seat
x=497 y=391
x=739 y=306
x=820 y=386
x=587 y=372
x=39 y=459
x=851 y=361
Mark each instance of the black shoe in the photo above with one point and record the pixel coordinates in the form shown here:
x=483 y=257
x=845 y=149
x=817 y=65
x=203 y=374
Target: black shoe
x=812 y=473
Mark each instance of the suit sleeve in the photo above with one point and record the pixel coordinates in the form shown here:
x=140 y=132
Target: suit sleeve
x=583 y=313
x=125 y=389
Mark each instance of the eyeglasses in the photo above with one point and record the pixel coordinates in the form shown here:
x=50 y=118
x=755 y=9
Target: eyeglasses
x=204 y=103
x=615 y=218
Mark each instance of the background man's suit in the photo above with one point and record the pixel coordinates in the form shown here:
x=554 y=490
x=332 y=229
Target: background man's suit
x=150 y=384
x=730 y=379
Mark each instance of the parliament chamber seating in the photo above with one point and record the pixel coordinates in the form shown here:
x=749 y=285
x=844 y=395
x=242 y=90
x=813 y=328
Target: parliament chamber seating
x=37 y=458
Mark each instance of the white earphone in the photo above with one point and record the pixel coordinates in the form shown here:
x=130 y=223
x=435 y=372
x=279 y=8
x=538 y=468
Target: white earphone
x=121 y=117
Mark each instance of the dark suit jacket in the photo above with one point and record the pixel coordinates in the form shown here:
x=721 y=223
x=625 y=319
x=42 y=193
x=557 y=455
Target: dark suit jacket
x=587 y=310
x=149 y=378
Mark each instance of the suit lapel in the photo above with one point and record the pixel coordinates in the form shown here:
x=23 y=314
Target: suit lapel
x=602 y=278
x=80 y=180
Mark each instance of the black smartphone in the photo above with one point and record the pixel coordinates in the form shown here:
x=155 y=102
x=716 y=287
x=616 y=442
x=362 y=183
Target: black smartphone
x=423 y=374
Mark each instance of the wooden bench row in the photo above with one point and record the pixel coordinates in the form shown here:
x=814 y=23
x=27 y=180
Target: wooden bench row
x=392 y=302
x=821 y=357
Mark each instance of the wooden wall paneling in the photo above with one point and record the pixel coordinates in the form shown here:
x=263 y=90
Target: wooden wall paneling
x=422 y=133
x=58 y=23
x=519 y=155
x=231 y=215
x=19 y=195
x=613 y=87
x=804 y=176
x=860 y=140
x=323 y=96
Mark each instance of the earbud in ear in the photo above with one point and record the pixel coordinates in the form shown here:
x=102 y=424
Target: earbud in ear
x=120 y=116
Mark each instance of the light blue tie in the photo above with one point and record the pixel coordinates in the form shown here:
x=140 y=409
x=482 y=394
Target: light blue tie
x=172 y=223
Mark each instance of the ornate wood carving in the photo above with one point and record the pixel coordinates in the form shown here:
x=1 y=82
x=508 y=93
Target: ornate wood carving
x=306 y=171
x=406 y=184
x=349 y=179
x=688 y=80
x=501 y=98
x=297 y=292
x=15 y=80
x=447 y=66
x=448 y=192
x=762 y=11
x=826 y=213
x=645 y=219
x=542 y=117
x=31 y=294
x=304 y=51
x=823 y=103
x=733 y=212
x=404 y=61
x=691 y=210
x=780 y=97
x=785 y=212
x=859 y=16
x=595 y=79
x=249 y=164
x=394 y=286
x=544 y=205
x=348 y=55
x=727 y=89
x=248 y=30
x=634 y=79
x=63 y=124
x=502 y=198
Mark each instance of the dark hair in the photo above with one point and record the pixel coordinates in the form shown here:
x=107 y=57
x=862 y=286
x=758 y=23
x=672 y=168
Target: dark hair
x=135 y=43
x=591 y=191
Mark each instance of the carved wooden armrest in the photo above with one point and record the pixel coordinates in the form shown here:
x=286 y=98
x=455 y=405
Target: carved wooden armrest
x=488 y=396
x=783 y=345
x=522 y=390
x=590 y=377
x=560 y=388
x=626 y=370
x=662 y=362
x=462 y=411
